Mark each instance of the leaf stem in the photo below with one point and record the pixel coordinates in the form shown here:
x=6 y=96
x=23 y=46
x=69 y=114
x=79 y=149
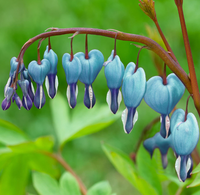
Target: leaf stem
x=66 y=166
x=194 y=84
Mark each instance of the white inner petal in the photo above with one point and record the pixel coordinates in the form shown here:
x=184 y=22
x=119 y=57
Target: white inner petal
x=167 y=125
x=68 y=95
x=7 y=85
x=47 y=85
x=41 y=96
x=189 y=164
x=178 y=167
x=160 y=118
x=90 y=95
x=119 y=98
x=26 y=103
x=108 y=98
x=124 y=118
x=32 y=88
x=56 y=83
x=135 y=118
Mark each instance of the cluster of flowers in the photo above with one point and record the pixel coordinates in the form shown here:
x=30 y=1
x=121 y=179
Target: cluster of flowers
x=181 y=133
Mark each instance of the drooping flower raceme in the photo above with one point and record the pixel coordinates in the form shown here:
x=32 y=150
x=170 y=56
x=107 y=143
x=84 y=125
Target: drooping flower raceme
x=38 y=72
x=133 y=90
x=185 y=136
x=163 y=98
x=72 y=71
x=90 y=69
x=51 y=81
x=114 y=72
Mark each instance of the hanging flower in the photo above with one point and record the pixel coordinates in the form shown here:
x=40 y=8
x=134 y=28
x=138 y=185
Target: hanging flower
x=133 y=90
x=51 y=81
x=72 y=71
x=90 y=69
x=38 y=72
x=114 y=72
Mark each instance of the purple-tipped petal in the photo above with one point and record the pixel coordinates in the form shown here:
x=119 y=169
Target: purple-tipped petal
x=165 y=126
x=31 y=91
x=89 y=97
x=6 y=104
x=39 y=99
x=51 y=83
x=17 y=100
x=27 y=102
x=72 y=92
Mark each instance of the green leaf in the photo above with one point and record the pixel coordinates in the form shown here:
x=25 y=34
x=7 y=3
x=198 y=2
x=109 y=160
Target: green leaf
x=45 y=184
x=149 y=169
x=10 y=134
x=197 y=169
x=45 y=143
x=81 y=121
x=196 y=181
x=126 y=167
x=101 y=188
x=14 y=178
x=42 y=163
x=196 y=193
x=69 y=185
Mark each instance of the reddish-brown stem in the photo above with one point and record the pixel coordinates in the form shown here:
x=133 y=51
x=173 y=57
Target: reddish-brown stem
x=86 y=47
x=115 y=47
x=165 y=40
x=186 y=109
x=64 y=164
x=72 y=54
x=136 y=67
x=49 y=44
x=38 y=56
x=164 y=75
x=194 y=84
x=155 y=47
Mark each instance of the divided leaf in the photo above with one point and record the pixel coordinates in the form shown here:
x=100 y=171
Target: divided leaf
x=81 y=121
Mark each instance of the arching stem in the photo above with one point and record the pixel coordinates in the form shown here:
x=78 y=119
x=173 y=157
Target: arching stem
x=155 y=47
x=136 y=67
x=115 y=47
x=49 y=44
x=38 y=51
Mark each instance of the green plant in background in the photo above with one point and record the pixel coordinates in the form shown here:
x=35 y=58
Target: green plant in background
x=43 y=155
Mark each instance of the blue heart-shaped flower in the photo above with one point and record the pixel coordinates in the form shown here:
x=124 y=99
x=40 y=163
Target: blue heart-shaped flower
x=72 y=71
x=185 y=136
x=114 y=72
x=163 y=98
x=38 y=72
x=133 y=90
x=90 y=69
x=51 y=79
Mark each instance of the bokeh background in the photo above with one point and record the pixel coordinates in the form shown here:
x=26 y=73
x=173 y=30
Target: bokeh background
x=21 y=20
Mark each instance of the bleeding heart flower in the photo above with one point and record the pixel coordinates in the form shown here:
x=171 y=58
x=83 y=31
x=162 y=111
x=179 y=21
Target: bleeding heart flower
x=133 y=90
x=26 y=100
x=185 y=136
x=161 y=143
x=72 y=71
x=114 y=72
x=38 y=72
x=51 y=81
x=163 y=98
x=7 y=101
x=90 y=69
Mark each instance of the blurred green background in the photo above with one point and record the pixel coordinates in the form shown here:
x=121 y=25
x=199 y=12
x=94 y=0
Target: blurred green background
x=21 y=20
